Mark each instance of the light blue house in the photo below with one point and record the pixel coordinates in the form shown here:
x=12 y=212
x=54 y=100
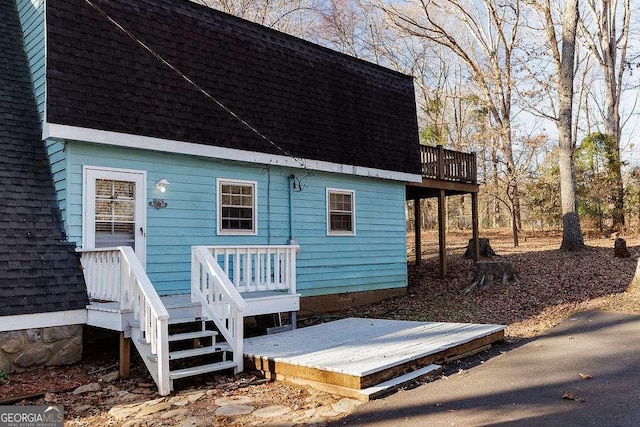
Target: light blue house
x=210 y=168
x=320 y=144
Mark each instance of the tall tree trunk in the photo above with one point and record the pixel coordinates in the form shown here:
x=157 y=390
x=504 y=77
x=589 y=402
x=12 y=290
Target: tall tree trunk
x=614 y=169
x=612 y=129
x=609 y=48
x=572 y=239
x=512 y=185
x=612 y=147
x=494 y=170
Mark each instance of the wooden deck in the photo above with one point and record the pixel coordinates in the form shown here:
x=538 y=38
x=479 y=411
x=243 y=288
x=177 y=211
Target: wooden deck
x=355 y=357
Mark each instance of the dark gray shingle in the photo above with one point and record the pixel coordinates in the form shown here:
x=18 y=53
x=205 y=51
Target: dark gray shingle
x=39 y=270
x=315 y=103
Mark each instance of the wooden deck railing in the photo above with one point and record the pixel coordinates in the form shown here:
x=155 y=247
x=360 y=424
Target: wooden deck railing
x=440 y=163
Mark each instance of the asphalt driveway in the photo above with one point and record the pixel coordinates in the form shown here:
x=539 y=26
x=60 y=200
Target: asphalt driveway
x=593 y=359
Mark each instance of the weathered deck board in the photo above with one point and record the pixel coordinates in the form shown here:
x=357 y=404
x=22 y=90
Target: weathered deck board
x=359 y=353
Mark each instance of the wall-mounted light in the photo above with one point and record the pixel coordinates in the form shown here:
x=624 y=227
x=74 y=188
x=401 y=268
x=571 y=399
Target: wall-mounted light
x=161 y=185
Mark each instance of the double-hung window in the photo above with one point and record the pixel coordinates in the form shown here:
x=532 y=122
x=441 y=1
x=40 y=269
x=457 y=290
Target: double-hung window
x=341 y=212
x=237 y=207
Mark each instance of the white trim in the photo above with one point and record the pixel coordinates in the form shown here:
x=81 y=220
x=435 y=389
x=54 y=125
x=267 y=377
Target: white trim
x=89 y=175
x=74 y=133
x=43 y=320
x=352 y=193
x=220 y=231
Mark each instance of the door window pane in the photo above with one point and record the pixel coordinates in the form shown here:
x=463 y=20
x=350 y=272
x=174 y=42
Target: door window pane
x=115 y=213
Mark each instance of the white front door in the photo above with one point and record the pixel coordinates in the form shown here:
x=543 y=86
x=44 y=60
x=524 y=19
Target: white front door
x=114 y=210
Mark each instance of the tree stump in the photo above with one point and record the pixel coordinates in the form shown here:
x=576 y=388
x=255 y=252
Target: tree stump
x=485 y=248
x=620 y=248
x=488 y=272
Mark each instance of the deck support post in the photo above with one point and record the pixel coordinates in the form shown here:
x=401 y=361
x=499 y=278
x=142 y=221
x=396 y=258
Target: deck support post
x=440 y=172
x=475 y=226
x=125 y=356
x=418 y=231
x=442 y=232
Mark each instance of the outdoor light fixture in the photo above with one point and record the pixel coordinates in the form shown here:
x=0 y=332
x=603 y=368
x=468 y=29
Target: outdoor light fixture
x=158 y=203
x=162 y=185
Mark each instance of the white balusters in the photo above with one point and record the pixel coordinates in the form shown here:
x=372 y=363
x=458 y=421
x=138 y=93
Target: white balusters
x=258 y=268
x=115 y=274
x=220 y=300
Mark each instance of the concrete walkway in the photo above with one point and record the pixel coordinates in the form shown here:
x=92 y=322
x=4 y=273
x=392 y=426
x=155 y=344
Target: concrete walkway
x=526 y=386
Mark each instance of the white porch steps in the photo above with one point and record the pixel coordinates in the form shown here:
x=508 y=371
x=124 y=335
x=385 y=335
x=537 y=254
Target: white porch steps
x=192 y=335
x=211 y=352
x=202 y=369
x=193 y=346
x=121 y=293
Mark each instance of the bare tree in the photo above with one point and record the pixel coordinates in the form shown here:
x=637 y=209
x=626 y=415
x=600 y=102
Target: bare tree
x=483 y=35
x=556 y=85
x=571 y=232
x=607 y=44
x=344 y=25
x=290 y=16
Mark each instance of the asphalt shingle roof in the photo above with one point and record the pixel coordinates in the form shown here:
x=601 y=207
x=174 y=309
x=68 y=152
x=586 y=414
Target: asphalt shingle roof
x=313 y=102
x=39 y=271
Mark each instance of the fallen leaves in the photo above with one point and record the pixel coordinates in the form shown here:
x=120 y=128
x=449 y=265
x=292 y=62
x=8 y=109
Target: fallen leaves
x=41 y=380
x=567 y=395
x=553 y=285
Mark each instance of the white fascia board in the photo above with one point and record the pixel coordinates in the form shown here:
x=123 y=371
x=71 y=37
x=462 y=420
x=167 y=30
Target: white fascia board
x=43 y=320
x=75 y=133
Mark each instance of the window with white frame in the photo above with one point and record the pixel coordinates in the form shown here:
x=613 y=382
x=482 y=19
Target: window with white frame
x=237 y=207
x=341 y=212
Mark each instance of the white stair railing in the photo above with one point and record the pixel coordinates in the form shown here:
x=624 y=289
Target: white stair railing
x=258 y=268
x=220 y=300
x=116 y=274
x=101 y=269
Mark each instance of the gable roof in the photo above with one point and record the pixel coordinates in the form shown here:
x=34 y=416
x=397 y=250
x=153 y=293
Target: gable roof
x=39 y=271
x=314 y=103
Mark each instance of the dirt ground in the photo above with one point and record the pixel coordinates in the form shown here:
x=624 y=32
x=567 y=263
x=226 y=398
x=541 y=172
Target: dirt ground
x=552 y=285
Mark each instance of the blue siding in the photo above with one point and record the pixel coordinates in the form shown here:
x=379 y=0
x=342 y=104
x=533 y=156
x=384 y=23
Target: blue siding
x=375 y=258
x=31 y=14
x=58 y=161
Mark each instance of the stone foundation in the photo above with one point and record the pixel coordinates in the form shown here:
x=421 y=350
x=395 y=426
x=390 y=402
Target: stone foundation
x=34 y=348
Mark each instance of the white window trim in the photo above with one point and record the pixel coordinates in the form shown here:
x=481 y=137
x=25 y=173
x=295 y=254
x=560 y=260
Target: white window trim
x=353 y=212
x=221 y=232
x=88 y=204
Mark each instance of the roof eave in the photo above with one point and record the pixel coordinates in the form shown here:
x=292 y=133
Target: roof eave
x=74 y=133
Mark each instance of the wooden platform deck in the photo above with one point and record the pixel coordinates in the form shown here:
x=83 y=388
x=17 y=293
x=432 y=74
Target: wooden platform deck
x=354 y=356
